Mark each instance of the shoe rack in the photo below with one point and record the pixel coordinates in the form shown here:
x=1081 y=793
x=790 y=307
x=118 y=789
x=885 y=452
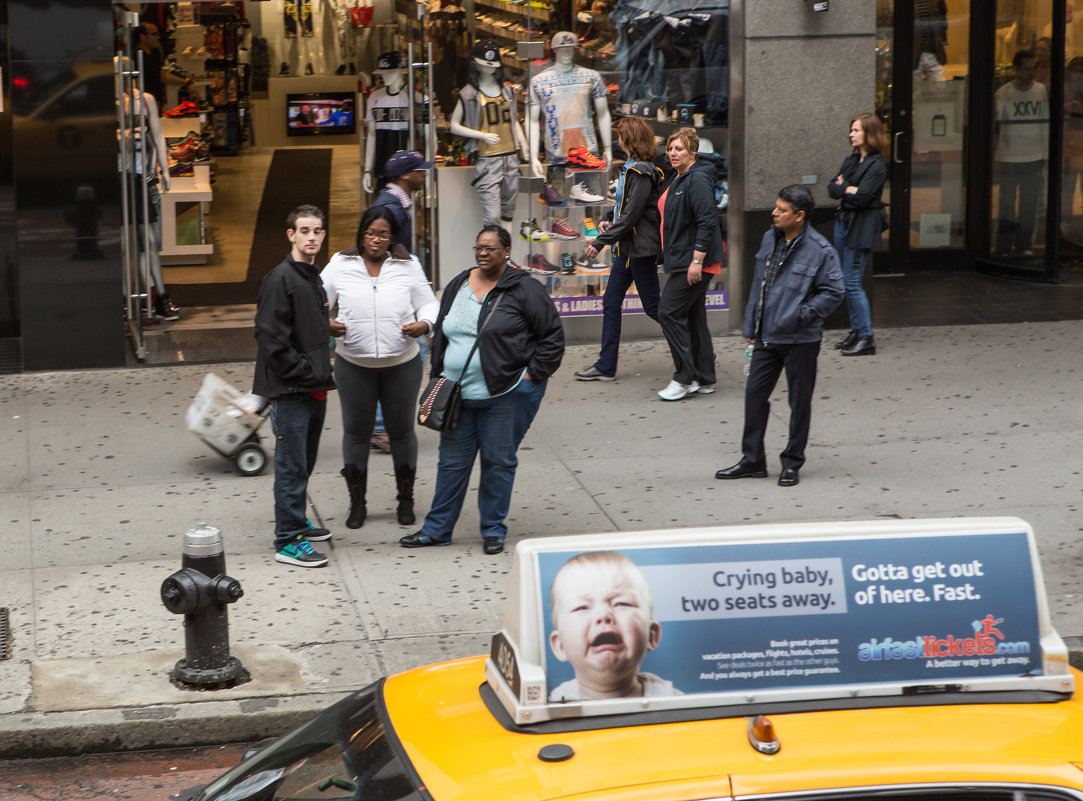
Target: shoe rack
x=185 y=205
x=577 y=278
x=521 y=21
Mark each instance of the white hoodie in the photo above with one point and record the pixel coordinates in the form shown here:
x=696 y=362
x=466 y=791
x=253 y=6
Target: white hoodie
x=375 y=309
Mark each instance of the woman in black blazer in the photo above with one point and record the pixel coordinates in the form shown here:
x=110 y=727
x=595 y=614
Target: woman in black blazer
x=858 y=187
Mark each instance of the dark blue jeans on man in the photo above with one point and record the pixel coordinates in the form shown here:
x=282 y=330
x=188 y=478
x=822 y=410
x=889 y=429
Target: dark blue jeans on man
x=643 y=270
x=493 y=427
x=297 y=420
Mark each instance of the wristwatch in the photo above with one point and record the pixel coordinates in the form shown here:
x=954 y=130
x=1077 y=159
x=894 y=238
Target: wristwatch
x=697 y=261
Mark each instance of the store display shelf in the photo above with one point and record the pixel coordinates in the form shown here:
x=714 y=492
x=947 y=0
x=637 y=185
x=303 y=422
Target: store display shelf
x=504 y=33
x=516 y=9
x=179 y=127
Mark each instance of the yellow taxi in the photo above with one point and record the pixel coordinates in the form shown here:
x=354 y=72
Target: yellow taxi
x=901 y=660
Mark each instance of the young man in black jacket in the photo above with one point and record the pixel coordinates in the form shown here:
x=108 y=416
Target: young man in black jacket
x=293 y=370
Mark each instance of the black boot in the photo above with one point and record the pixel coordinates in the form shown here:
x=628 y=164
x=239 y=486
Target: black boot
x=355 y=482
x=843 y=344
x=865 y=346
x=404 y=480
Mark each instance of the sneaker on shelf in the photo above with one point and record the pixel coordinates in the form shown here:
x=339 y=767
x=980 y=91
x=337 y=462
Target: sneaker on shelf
x=551 y=197
x=567 y=266
x=611 y=192
x=589 y=228
x=185 y=108
x=580 y=158
x=181 y=169
x=300 y=553
x=542 y=266
x=585 y=264
x=314 y=533
x=559 y=229
x=529 y=230
x=580 y=194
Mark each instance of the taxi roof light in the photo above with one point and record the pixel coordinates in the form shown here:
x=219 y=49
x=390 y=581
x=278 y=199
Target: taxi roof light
x=761 y=734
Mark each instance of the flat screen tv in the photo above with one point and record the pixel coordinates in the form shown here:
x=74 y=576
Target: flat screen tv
x=321 y=114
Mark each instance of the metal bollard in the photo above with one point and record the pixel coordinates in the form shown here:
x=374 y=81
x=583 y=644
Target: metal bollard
x=200 y=591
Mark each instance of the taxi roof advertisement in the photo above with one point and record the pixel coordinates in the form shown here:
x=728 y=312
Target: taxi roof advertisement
x=688 y=619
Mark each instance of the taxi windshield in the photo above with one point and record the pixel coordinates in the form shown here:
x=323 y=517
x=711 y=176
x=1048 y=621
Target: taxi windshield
x=342 y=753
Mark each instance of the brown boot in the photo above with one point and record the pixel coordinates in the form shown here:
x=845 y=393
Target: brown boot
x=404 y=479
x=355 y=483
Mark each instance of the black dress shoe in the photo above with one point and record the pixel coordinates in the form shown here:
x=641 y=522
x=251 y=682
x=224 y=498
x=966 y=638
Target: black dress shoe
x=492 y=545
x=788 y=477
x=851 y=338
x=742 y=470
x=865 y=346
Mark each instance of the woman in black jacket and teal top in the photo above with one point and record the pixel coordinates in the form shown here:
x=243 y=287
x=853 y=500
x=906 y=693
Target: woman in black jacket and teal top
x=631 y=228
x=858 y=187
x=692 y=254
x=502 y=384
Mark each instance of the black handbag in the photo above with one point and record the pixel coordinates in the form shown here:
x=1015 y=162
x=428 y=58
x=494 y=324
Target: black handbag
x=442 y=399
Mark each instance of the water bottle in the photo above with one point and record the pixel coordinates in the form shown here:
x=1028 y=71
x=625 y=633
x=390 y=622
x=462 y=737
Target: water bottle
x=748 y=359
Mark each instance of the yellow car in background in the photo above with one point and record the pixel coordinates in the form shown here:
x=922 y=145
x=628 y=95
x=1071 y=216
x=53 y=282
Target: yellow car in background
x=856 y=719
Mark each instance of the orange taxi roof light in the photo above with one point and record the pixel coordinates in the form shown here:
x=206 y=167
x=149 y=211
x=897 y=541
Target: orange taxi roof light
x=761 y=734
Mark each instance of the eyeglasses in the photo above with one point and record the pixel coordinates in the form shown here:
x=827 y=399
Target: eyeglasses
x=377 y=237
x=484 y=250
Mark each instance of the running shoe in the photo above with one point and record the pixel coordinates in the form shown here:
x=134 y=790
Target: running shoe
x=589 y=228
x=580 y=158
x=529 y=230
x=567 y=266
x=551 y=197
x=580 y=194
x=559 y=229
x=300 y=553
x=587 y=265
x=542 y=266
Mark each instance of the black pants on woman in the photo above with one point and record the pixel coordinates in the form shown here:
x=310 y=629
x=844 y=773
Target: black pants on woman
x=396 y=388
x=682 y=313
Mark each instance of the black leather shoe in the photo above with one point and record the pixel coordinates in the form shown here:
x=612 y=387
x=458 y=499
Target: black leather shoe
x=788 y=477
x=421 y=540
x=851 y=338
x=742 y=470
x=492 y=546
x=865 y=346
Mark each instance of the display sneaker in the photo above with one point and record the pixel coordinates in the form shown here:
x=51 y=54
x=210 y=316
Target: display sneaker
x=589 y=228
x=585 y=264
x=582 y=159
x=567 y=266
x=675 y=390
x=300 y=553
x=529 y=230
x=186 y=109
x=580 y=194
x=314 y=533
x=611 y=192
x=559 y=229
x=542 y=266
x=551 y=197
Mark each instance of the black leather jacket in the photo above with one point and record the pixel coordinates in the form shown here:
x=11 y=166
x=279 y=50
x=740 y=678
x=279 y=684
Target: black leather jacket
x=525 y=331
x=292 y=332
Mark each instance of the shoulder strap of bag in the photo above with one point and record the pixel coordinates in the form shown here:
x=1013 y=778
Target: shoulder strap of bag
x=474 y=347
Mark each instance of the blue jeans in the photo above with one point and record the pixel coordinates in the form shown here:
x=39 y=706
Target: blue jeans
x=644 y=271
x=297 y=420
x=853 y=274
x=495 y=427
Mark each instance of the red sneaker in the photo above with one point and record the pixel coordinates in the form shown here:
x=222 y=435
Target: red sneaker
x=559 y=229
x=580 y=158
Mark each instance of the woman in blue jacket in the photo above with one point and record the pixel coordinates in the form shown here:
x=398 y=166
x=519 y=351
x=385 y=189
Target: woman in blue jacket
x=858 y=187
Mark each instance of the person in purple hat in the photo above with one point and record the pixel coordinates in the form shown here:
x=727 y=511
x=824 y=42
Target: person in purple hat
x=405 y=171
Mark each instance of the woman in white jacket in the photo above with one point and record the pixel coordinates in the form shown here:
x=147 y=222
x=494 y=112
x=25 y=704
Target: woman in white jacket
x=385 y=304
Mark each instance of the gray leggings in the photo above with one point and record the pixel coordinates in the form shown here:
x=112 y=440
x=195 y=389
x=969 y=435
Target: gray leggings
x=396 y=388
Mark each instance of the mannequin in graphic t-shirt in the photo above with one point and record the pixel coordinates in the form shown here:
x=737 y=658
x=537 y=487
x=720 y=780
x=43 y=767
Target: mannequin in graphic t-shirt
x=387 y=118
x=487 y=117
x=559 y=108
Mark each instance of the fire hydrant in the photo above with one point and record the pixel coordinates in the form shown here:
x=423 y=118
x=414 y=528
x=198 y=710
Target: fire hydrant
x=200 y=591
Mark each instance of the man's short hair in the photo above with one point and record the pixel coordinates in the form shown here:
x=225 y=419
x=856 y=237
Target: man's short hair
x=799 y=198
x=1020 y=56
x=144 y=29
x=305 y=210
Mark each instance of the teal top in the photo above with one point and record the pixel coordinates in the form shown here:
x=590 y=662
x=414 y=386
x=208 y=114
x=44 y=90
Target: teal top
x=460 y=326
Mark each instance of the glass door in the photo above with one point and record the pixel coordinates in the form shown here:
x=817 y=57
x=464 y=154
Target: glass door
x=923 y=85
x=1022 y=203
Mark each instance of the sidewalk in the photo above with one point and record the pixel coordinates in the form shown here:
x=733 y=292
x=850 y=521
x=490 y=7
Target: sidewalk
x=100 y=480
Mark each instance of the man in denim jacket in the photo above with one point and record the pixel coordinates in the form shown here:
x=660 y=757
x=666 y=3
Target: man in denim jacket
x=797 y=283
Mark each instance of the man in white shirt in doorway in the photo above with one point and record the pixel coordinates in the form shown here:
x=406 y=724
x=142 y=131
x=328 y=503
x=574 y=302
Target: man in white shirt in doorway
x=1022 y=117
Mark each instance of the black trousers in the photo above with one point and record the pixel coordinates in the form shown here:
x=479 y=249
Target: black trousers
x=682 y=313
x=768 y=362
